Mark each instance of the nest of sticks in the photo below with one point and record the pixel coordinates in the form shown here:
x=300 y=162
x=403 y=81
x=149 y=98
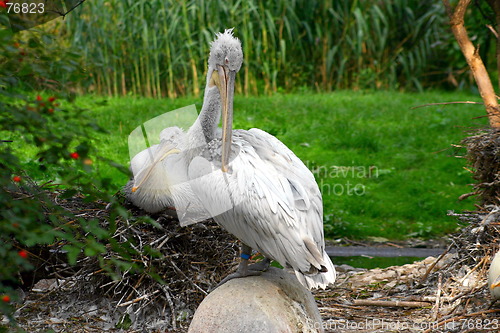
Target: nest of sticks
x=460 y=284
x=192 y=261
x=483 y=154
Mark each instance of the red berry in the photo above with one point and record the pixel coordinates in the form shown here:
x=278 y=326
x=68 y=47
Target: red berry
x=74 y=155
x=23 y=254
x=3 y=4
x=38 y=98
x=17 y=179
x=6 y=298
x=52 y=98
x=50 y=110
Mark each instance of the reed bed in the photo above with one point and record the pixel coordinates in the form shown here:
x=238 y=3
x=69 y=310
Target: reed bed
x=159 y=48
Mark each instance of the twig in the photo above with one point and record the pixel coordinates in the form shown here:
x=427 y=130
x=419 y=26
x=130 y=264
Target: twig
x=429 y=270
x=435 y=313
x=189 y=279
x=492 y=30
x=170 y=305
x=402 y=304
x=444 y=103
x=138 y=299
x=430 y=299
x=328 y=308
x=472 y=270
x=69 y=11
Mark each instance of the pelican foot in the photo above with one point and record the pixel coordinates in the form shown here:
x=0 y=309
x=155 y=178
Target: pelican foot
x=239 y=274
x=245 y=270
x=261 y=266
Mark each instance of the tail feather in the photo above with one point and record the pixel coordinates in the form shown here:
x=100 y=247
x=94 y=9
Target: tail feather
x=318 y=280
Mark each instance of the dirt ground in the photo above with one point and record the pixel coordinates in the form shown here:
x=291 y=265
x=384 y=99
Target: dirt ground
x=377 y=300
x=445 y=294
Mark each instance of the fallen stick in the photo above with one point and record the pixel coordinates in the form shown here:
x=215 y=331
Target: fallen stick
x=430 y=299
x=424 y=277
x=444 y=103
x=402 y=304
x=138 y=299
x=435 y=313
x=339 y=305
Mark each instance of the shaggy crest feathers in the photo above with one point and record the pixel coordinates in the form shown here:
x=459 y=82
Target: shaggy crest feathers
x=226 y=50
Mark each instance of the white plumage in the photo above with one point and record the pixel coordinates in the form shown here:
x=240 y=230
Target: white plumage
x=494 y=277
x=249 y=181
x=154 y=193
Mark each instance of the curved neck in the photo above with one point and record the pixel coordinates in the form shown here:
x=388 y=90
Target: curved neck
x=210 y=113
x=205 y=127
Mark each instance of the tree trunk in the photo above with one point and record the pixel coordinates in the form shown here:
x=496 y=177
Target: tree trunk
x=495 y=5
x=474 y=61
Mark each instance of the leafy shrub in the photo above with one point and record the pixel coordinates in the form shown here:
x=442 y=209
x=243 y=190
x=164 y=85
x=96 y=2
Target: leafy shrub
x=47 y=152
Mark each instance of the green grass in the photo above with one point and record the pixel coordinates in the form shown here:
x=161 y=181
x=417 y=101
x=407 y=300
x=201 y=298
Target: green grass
x=414 y=177
x=384 y=169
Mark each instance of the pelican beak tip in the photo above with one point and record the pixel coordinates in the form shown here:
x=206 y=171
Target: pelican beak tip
x=134 y=189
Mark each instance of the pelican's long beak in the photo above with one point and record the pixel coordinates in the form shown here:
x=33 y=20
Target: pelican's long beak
x=226 y=88
x=164 y=149
x=495 y=283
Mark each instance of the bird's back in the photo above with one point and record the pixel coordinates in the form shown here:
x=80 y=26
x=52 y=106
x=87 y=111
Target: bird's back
x=276 y=204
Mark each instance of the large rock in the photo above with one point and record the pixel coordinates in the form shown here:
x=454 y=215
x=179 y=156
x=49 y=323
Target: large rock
x=272 y=302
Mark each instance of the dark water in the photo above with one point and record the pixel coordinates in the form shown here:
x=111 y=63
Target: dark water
x=374 y=262
x=378 y=257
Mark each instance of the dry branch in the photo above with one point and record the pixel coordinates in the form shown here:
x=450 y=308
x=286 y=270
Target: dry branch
x=138 y=299
x=402 y=304
x=444 y=103
x=474 y=61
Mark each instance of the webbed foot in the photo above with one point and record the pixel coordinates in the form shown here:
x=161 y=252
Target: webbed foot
x=244 y=269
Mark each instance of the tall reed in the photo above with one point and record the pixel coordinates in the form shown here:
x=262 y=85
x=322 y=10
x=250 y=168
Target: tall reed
x=159 y=47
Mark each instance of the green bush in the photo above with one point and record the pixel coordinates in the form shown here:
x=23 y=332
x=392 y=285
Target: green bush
x=47 y=152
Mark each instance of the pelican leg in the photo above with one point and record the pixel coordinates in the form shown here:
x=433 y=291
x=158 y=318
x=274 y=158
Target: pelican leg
x=243 y=269
x=261 y=266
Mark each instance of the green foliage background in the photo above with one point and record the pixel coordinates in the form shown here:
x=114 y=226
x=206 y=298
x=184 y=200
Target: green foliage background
x=159 y=48
x=293 y=50
x=45 y=136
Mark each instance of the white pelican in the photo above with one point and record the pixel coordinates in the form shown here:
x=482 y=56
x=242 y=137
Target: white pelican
x=270 y=200
x=494 y=277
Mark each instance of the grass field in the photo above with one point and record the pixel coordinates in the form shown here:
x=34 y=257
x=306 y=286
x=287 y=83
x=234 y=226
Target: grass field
x=385 y=170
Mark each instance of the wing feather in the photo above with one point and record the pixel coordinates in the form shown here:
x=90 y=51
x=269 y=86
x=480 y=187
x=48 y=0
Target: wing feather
x=283 y=206
x=277 y=204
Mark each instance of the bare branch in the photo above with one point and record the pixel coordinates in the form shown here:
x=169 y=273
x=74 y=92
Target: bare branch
x=69 y=11
x=492 y=30
x=474 y=61
x=444 y=103
x=404 y=304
